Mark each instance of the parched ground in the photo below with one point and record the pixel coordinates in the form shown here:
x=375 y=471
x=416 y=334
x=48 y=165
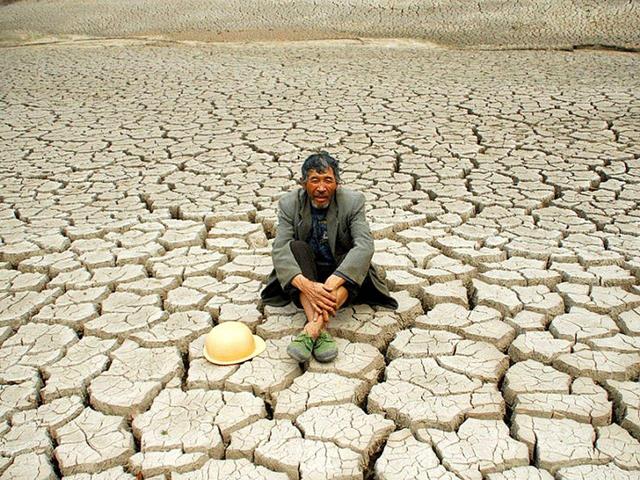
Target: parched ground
x=138 y=193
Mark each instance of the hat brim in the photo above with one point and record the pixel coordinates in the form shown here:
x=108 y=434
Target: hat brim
x=260 y=347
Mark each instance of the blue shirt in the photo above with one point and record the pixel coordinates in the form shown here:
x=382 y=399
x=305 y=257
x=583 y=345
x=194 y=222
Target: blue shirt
x=319 y=237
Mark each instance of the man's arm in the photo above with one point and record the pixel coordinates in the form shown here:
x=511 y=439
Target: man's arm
x=333 y=282
x=355 y=264
x=322 y=298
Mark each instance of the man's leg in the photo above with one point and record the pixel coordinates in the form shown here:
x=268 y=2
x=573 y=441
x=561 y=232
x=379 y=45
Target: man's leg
x=314 y=321
x=306 y=260
x=325 y=348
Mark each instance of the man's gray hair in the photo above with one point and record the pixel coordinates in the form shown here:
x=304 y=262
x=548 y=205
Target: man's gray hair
x=320 y=162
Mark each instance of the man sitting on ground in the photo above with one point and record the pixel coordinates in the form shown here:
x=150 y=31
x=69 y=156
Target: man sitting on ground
x=322 y=256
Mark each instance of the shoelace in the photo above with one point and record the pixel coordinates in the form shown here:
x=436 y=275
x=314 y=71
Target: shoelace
x=306 y=340
x=322 y=338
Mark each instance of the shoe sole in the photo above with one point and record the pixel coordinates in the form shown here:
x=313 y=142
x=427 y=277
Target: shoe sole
x=327 y=357
x=297 y=356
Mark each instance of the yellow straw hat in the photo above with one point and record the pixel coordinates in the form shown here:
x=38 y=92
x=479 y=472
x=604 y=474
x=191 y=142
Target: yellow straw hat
x=231 y=342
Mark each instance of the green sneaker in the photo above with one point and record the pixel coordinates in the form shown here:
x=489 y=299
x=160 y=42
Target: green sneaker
x=325 y=348
x=300 y=348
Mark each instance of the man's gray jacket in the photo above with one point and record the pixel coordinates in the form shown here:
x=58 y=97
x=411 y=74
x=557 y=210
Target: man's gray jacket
x=350 y=241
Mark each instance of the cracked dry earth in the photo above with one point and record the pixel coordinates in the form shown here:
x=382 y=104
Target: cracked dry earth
x=139 y=186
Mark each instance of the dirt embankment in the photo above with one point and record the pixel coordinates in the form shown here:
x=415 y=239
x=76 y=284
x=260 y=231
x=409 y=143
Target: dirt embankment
x=457 y=23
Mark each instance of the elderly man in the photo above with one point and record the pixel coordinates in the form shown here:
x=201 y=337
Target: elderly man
x=322 y=256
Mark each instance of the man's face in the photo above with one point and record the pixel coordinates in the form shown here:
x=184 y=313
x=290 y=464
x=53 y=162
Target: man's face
x=321 y=186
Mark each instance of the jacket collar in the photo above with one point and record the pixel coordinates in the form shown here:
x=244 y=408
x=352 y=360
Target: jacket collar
x=305 y=215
